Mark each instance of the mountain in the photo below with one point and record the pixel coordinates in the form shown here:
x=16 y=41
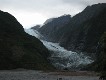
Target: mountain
x=80 y=33
x=85 y=29
x=18 y=49
x=36 y=27
x=52 y=26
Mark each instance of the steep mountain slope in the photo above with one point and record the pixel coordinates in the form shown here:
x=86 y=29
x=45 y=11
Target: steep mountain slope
x=82 y=32
x=85 y=34
x=52 y=26
x=17 y=48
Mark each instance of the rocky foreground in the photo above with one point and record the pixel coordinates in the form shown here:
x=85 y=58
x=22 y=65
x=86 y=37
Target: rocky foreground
x=40 y=75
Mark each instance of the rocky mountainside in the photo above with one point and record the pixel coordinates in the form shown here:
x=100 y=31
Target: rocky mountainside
x=18 y=49
x=52 y=26
x=85 y=29
x=80 y=33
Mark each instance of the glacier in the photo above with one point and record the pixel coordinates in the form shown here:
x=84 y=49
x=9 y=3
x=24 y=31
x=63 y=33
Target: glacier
x=60 y=57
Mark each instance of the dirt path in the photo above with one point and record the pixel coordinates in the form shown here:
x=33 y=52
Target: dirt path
x=38 y=75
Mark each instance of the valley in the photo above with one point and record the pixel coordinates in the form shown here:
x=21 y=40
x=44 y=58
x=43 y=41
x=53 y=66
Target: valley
x=60 y=57
x=67 y=47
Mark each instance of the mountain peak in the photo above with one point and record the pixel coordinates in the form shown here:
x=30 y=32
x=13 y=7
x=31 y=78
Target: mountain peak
x=9 y=23
x=95 y=7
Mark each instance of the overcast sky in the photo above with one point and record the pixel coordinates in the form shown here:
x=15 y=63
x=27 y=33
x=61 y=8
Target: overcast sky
x=32 y=12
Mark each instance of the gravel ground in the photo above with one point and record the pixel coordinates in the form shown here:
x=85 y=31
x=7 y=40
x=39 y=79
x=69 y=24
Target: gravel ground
x=39 y=75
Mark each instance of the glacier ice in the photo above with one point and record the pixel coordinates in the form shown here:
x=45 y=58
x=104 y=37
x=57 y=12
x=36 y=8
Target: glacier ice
x=60 y=57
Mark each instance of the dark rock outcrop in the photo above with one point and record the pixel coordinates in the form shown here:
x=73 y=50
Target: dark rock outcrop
x=52 y=26
x=18 y=49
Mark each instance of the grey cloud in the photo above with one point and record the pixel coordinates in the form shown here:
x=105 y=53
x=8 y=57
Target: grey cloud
x=48 y=7
x=85 y=1
x=30 y=5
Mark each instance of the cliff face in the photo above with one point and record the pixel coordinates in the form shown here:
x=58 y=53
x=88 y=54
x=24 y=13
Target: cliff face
x=17 y=48
x=82 y=32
